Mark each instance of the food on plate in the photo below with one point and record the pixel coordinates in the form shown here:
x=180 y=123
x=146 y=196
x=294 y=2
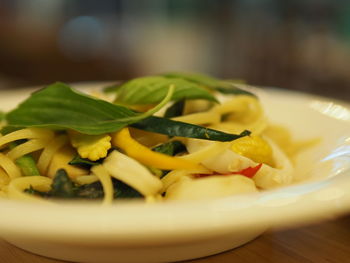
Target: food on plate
x=175 y=136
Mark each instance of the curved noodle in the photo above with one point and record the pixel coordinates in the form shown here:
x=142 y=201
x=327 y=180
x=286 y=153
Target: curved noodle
x=106 y=181
x=9 y=166
x=49 y=151
x=17 y=186
x=86 y=179
x=131 y=172
x=4 y=178
x=30 y=133
x=27 y=147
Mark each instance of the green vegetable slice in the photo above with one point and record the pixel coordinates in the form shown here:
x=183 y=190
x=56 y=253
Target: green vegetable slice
x=26 y=162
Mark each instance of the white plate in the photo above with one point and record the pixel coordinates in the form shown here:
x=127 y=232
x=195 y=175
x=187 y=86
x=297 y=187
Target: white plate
x=137 y=232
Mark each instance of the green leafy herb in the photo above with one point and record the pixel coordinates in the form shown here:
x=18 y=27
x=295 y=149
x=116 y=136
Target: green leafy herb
x=62 y=186
x=122 y=190
x=170 y=148
x=90 y=191
x=225 y=87
x=2 y=115
x=175 y=110
x=60 y=107
x=150 y=90
x=95 y=191
x=32 y=191
x=182 y=129
x=8 y=129
x=77 y=160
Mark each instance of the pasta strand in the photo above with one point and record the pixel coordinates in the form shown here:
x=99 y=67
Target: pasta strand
x=49 y=151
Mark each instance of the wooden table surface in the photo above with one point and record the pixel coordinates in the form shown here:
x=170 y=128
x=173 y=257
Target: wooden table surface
x=327 y=242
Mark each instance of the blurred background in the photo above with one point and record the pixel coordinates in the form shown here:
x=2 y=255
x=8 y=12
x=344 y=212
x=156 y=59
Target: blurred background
x=294 y=44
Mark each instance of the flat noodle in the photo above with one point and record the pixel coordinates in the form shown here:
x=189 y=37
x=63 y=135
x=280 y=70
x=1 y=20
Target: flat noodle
x=210 y=149
x=256 y=128
x=86 y=179
x=131 y=172
x=154 y=198
x=27 y=147
x=30 y=133
x=268 y=177
x=106 y=181
x=17 y=186
x=9 y=166
x=49 y=151
x=246 y=108
x=172 y=177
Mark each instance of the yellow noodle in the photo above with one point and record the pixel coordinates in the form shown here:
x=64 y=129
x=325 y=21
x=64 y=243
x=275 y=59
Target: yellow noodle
x=154 y=198
x=173 y=177
x=49 y=151
x=86 y=179
x=9 y=166
x=106 y=181
x=246 y=109
x=133 y=173
x=27 y=147
x=212 y=149
x=30 y=133
x=208 y=117
x=256 y=128
x=17 y=186
x=4 y=178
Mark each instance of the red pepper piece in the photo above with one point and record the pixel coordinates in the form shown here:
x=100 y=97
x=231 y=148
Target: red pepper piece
x=249 y=172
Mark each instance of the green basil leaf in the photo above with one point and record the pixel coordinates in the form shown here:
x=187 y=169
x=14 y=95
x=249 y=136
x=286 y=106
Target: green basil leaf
x=150 y=90
x=95 y=191
x=2 y=116
x=182 y=129
x=122 y=190
x=170 y=148
x=175 y=110
x=60 y=107
x=77 y=160
x=225 y=87
x=62 y=186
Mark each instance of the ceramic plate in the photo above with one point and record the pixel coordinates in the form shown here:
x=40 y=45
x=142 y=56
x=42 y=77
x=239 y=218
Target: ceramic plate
x=138 y=232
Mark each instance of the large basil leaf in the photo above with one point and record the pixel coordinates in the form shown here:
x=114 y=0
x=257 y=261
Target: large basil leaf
x=152 y=89
x=222 y=86
x=60 y=107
